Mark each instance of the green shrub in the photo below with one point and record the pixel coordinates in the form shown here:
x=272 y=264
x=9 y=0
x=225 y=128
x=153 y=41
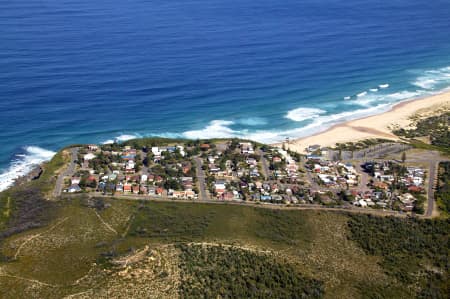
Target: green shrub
x=228 y=272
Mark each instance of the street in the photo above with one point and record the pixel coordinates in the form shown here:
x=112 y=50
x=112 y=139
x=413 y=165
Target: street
x=68 y=172
x=202 y=192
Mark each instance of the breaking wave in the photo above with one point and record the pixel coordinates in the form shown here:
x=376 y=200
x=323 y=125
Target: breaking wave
x=215 y=129
x=301 y=114
x=392 y=98
x=23 y=164
x=122 y=138
x=252 y=121
x=361 y=94
x=434 y=79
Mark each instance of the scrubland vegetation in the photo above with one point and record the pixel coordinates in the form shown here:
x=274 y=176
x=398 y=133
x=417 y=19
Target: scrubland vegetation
x=414 y=252
x=229 y=272
x=443 y=188
x=436 y=128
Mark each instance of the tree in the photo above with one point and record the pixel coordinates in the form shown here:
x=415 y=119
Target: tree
x=403 y=157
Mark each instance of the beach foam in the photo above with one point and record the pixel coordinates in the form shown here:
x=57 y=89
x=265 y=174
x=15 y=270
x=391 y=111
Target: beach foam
x=301 y=114
x=23 y=164
x=215 y=129
x=361 y=94
x=383 y=86
x=432 y=79
x=126 y=137
x=319 y=124
x=122 y=138
x=252 y=121
x=391 y=98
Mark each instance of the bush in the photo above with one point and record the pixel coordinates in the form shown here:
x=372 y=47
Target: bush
x=410 y=248
x=228 y=272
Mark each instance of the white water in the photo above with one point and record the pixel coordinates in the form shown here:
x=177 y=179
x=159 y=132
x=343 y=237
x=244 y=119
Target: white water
x=23 y=164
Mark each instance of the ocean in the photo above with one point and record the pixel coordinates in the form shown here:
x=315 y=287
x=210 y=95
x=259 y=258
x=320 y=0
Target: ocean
x=79 y=71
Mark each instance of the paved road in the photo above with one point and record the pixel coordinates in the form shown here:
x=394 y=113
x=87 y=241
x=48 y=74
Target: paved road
x=364 y=179
x=314 y=187
x=69 y=171
x=144 y=168
x=350 y=209
x=265 y=166
x=433 y=158
x=432 y=176
x=202 y=193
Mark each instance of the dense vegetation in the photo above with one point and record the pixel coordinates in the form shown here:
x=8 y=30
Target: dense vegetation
x=443 y=188
x=228 y=272
x=281 y=227
x=435 y=127
x=415 y=252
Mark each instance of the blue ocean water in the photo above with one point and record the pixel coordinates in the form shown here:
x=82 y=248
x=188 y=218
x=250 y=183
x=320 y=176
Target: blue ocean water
x=94 y=71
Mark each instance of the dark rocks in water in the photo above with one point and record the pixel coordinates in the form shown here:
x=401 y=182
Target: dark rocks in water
x=34 y=174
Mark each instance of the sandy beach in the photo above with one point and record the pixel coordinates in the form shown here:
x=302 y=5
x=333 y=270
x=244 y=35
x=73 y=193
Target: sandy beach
x=376 y=126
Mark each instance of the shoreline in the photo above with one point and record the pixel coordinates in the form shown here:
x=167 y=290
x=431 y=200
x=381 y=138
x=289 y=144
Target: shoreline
x=375 y=126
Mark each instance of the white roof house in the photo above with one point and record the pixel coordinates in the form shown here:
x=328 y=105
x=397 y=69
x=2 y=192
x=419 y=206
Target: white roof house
x=74 y=188
x=362 y=203
x=156 y=151
x=89 y=156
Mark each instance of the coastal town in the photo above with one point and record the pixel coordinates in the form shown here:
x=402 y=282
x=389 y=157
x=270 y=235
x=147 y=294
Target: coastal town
x=243 y=171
